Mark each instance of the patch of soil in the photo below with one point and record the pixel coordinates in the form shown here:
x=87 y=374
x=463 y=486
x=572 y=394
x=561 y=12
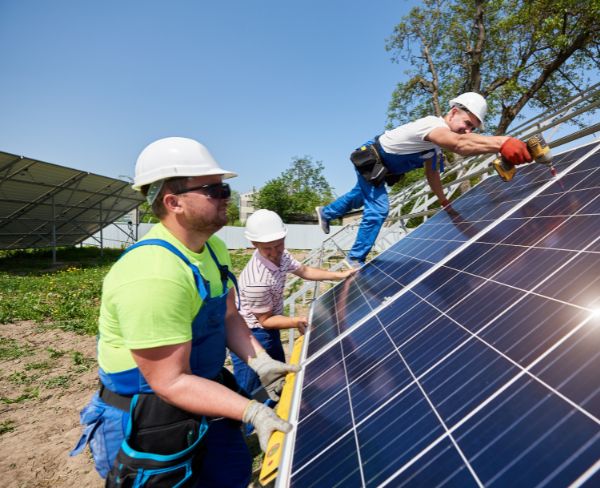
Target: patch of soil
x=46 y=377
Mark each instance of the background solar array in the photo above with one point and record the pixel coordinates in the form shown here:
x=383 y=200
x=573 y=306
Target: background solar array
x=468 y=353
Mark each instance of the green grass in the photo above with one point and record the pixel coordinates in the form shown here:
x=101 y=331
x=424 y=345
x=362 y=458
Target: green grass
x=7 y=426
x=10 y=349
x=30 y=393
x=66 y=295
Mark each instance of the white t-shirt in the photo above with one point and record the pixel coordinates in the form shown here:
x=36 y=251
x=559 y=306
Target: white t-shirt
x=410 y=138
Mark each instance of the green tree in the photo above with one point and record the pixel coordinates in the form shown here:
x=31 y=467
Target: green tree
x=514 y=52
x=297 y=191
x=233 y=209
x=146 y=215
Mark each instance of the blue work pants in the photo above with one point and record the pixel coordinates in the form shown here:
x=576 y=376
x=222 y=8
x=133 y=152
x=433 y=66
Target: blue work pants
x=376 y=209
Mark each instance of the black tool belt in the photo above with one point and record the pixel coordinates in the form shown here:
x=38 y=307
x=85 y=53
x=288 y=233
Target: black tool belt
x=122 y=402
x=368 y=162
x=164 y=445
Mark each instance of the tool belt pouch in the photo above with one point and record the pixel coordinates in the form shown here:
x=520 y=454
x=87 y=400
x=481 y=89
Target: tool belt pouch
x=163 y=446
x=368 y=163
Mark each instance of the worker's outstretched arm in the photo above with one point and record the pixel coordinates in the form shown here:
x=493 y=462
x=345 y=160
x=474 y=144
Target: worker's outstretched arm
x=270 y=321
x=317 y=274
x=465 y=144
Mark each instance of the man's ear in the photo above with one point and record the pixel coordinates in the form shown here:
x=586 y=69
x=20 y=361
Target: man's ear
x=172 y=203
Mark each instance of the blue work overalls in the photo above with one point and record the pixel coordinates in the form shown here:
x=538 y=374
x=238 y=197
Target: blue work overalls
x=375 y=198
x=227 y=461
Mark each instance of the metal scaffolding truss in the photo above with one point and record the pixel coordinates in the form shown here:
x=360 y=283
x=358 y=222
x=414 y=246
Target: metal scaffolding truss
x=46 y=205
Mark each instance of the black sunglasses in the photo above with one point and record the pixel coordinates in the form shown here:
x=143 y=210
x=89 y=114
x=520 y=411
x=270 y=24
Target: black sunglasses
x=214 y=190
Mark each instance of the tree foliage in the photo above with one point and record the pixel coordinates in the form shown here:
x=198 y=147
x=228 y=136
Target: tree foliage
x=233 y=209
x=514 y=52
x=297 y=191
x=146 y=215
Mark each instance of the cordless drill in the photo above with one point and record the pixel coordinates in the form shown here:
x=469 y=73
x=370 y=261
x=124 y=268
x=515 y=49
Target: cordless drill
x=540 y=152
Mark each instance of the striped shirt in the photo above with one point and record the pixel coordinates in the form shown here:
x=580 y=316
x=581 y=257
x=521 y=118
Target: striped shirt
x=261 y=286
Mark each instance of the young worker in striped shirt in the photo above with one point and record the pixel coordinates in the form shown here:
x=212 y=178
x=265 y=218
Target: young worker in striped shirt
x=261 y=285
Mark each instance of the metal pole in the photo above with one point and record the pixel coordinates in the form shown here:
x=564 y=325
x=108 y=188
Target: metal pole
x=101 y=232
x=53 y=232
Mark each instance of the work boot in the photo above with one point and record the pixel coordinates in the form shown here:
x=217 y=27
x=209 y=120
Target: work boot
x=353 y=263
x=323 y=222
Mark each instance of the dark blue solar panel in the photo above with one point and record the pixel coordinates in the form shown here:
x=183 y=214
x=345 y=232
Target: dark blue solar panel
x=462 y=382
x=343 y=455
x=573 y=367
x=528 y=437
x=484 y=371
x=407 y=421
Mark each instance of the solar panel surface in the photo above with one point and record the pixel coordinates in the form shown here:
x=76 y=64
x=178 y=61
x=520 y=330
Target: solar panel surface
x=468 y=353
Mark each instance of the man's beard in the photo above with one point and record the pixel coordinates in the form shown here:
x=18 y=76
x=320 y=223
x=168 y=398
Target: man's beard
x=202 y=223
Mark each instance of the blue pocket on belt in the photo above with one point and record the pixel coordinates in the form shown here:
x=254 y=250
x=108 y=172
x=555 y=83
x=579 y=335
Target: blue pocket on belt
x=103 y=431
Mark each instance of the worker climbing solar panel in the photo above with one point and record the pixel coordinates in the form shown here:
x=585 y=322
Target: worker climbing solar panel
x=468 y=353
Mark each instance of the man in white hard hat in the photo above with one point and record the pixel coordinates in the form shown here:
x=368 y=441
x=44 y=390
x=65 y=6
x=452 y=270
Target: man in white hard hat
x=261 y=290
x=167 y=410
x=388 y=157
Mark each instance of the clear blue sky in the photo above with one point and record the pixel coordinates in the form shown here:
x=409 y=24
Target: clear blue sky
x=87 y=84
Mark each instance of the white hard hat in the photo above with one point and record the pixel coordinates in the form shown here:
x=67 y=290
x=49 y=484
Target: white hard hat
x=473 y=102
x=265 y=226
x=172 y=157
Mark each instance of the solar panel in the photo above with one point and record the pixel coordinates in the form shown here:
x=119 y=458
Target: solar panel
x=468 y=353
x=43 y=204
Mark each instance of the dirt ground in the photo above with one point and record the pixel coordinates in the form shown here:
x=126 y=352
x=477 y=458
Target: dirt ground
x=38 y=433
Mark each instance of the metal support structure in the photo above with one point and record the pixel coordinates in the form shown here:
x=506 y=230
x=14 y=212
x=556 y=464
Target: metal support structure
x=101 y=231
x=53 y=232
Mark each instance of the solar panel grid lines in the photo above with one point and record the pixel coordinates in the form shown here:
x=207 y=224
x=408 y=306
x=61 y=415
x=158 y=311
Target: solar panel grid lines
x=350 y=401
x=392 y=412
x=464 y=245
x=439 y=417
x=468 y=417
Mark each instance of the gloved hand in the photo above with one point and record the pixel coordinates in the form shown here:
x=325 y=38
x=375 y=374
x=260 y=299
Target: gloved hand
x=515 y=151
x=271 y=373
x=265 y=421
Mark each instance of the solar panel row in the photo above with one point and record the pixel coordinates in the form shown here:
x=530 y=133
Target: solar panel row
x=466 y=354
x=42 y=204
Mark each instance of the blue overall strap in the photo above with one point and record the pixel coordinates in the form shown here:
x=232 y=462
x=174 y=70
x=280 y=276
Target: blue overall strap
x=201 y=284
x=225 y=275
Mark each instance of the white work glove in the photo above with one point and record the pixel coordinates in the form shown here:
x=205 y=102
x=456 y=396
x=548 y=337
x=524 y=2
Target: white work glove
x=271 y=373
x=265 y=422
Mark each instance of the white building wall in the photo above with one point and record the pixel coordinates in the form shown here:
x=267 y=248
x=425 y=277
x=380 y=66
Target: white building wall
x=299 y=236
x=246 y=205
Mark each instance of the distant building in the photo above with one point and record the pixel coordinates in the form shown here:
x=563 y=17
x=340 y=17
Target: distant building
x=247 y=205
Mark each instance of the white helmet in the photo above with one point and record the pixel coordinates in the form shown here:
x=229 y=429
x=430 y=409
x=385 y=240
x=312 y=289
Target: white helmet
x=473 y=102
x=173 y=157
x=265 y=226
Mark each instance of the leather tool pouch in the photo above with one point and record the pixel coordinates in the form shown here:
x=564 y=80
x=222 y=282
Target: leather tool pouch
x=163 y=446
x=368 y=163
